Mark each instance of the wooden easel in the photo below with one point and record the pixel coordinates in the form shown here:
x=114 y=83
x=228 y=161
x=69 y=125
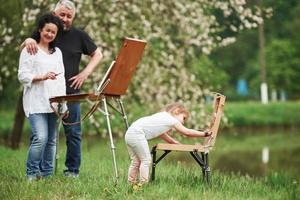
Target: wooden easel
x=113 y=85
x=204 y=148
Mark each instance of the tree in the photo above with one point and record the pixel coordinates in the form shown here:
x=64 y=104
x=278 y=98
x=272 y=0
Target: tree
x=176 y=32
x=283 y=64
x=240 y=60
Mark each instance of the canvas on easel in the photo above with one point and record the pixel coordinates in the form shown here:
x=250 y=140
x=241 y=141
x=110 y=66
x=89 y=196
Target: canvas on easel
x=118 y=75
x=125 y=65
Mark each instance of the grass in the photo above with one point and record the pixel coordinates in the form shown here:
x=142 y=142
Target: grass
x=177 y=177
x=173 y=179
x=255 y=114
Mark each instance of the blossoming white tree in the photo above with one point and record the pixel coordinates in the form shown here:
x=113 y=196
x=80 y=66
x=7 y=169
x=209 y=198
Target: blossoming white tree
x=176 y=32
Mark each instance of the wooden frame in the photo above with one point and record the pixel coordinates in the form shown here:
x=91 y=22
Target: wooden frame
x=203 y=149
x=113 y=85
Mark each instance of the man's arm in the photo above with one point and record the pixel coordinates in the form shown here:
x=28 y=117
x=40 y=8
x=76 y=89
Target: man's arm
x=78 y=80
x=31 y=46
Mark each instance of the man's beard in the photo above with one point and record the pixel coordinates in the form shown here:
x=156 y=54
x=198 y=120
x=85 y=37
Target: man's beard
x=66 y=28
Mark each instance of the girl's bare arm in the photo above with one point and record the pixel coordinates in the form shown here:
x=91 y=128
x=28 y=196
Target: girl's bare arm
x=166 y=137
x=191 y=132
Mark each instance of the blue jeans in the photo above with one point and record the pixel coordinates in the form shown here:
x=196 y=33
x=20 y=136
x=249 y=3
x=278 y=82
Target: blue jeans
x=73 y=136
x=43 y=144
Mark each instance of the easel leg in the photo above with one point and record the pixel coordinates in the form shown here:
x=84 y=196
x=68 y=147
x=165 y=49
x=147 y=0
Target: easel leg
x=59 y=122
x=111 y=139
x=123 y=113
x=57 y=145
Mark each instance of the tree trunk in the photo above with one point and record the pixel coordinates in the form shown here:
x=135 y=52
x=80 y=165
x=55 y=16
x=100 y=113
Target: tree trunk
x=17 y=130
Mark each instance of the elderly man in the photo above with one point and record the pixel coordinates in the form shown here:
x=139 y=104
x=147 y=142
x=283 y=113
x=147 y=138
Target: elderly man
x=73 y=42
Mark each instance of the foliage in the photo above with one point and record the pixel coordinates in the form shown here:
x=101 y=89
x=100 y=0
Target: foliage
x=283 y=66
x=212 y=77
x=282 y=42
x=176 y=32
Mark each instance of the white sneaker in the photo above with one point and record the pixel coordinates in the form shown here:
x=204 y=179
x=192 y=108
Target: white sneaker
x=71 y=174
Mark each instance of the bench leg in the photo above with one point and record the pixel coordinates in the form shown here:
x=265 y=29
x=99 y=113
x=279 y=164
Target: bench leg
x=203 y=162
x=155 y=162
x=203 y=168
x=153 y=152
x=207 y=172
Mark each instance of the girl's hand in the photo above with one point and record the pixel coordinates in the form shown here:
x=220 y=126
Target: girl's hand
x=207 y=133
x=176 y=142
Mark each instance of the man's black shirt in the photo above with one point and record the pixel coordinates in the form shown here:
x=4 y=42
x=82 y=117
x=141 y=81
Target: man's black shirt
x=73 y=43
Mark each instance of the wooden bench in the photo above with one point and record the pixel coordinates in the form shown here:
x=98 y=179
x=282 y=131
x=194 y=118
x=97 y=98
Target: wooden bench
x=194 y=150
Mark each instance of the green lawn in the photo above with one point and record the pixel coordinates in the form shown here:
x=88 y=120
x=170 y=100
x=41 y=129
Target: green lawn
x=255 y=114
x=174 y=180
x=236 y=163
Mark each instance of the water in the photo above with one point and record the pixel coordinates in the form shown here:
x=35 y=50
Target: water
x=250 y=162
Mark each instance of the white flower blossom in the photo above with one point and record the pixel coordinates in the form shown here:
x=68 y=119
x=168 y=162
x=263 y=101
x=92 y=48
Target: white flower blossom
x=173 y=30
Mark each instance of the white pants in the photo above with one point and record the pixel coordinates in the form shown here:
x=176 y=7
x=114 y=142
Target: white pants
x=140 y=158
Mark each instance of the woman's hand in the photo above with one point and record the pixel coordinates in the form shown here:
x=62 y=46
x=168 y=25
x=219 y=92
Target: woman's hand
x=49 y=75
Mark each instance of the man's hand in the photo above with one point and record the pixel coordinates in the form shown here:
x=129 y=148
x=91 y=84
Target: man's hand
x=31 y=46
x=78 y=80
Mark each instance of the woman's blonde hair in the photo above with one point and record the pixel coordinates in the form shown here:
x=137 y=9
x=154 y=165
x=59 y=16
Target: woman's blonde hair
x=176 y=108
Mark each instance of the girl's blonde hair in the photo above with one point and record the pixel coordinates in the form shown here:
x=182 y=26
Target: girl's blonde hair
x=176 y=108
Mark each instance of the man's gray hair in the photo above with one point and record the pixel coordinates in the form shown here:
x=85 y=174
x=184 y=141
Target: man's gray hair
x=66 y=3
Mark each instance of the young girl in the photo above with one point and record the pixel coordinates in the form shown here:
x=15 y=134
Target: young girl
x=146 y=128
x=42 y=76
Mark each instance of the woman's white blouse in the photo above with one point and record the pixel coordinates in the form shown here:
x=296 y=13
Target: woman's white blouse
x=36 y=94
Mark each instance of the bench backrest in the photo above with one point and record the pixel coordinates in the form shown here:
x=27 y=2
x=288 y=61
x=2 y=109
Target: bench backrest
x=218 y=108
